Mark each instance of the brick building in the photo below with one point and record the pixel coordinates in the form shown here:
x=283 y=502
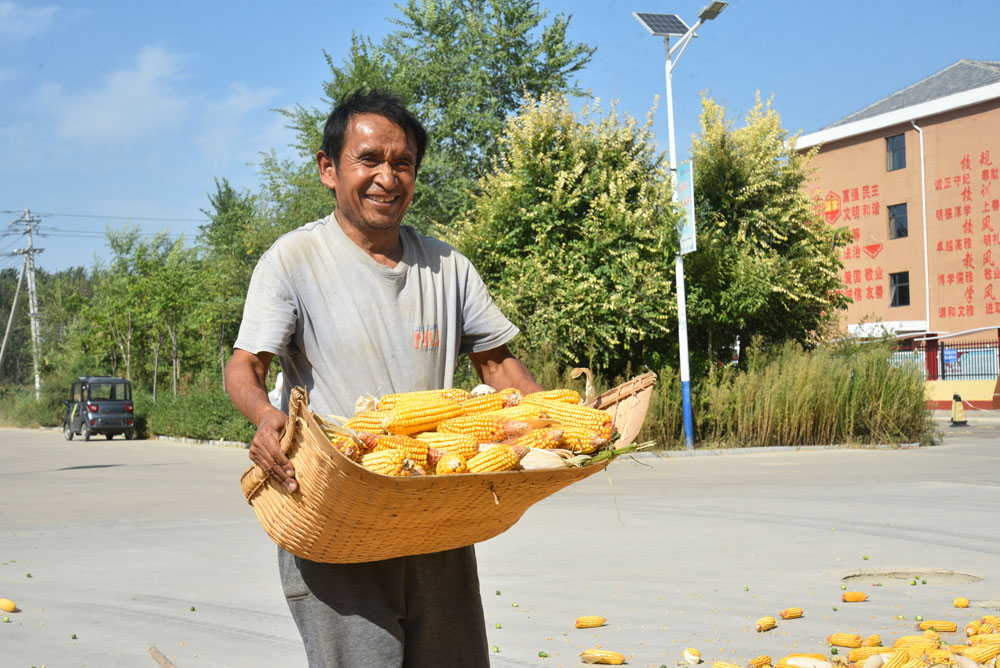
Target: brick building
x=915 y=177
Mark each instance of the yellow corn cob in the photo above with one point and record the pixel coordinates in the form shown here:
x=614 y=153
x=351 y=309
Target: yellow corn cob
x=989 y=628
x=981 y=653
x=488 y=403
x=451 y=463
x=766 y=623
x=369 y=421
x=915 y=662
x=410 y=418
x=414 y=449
x=939 y=656
x=932 y=635
x=874 y=640
x=985 y=639
x=541 y=438
x=853 y=597
x=566 y=396
x=790 y=613
x=961 y=602
x=939 y=625
x=484 y=428
x=897 y=660
x=389 y=401
x=724 y=664
x=522 y=411
x=759 y=661
x=348 y=446
x=803 y=655
x=692 y=656
x=589 y=622
x=569 y=415
x=992 y=620
x=500 y=457
x=386 y=462
x=459 y=444
x=859 y=654
x=844 y=640
x=972 y=628
x=582 y=441
x=603 y=656
x=916 y=643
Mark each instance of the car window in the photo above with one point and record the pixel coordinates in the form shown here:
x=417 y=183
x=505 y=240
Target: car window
x=109 y=392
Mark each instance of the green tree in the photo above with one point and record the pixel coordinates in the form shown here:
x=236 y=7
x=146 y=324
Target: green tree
x=766 y=266
x=574 y=233
x=462 y=66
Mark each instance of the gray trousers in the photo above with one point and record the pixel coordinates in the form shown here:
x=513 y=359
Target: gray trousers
x=409 y=612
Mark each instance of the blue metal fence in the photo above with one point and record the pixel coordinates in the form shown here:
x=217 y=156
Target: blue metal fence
x=968 y=360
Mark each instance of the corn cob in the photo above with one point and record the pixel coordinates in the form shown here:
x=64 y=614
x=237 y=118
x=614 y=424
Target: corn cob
x=972 y=628
x=766 y=623
x=369 y=421
x=692 y=656
x=501 y=457
x=874 y=640
x=939 y=656
x=569 y=415
x=850 y=640
x=582 y=441
x=541 y=438
x=389 y=401
x=803 y=655
x=488 y=403
x=916 y=643
x=897 y=660
x=386 y=462
x=410 y=418
x=348 y=447
x=992 y=620
x=981 y=653
x=451 y=463
x=604 y=656
x=854 y=597
x=790 y=613
x=939 y=625
x=932 y=635
x=859 y=654
x=566 y=396
x=989 y=628
x=589 y=622
x=985 y=639
x=724 y=664
x=414 y=449
x=961 y=602
x=915 y=662
x=522 y=411
x=760 y=661
x=485 y=428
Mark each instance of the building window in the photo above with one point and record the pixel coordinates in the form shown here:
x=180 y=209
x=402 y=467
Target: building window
x=899 y=289
x=895 y=152
x=897 y=221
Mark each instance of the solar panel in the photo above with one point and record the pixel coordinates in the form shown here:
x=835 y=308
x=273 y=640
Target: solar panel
x=662 y=24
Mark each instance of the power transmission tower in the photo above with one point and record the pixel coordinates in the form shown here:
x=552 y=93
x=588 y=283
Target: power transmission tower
x=28 y=268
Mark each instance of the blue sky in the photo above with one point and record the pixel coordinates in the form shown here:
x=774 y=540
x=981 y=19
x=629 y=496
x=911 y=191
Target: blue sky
x=124 y=112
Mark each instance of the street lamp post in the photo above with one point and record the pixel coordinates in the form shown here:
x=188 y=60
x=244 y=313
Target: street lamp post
x=665 y=25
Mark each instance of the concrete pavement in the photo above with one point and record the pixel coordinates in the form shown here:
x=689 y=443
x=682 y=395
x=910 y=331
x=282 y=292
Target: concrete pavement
x=123 y=538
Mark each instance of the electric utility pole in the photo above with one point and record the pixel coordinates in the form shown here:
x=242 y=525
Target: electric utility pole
x=28 y=268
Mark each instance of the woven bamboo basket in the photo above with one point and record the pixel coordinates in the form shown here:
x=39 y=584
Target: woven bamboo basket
x=344 y=513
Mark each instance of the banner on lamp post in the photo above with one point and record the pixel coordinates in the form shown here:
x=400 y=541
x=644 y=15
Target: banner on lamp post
x=685 y=197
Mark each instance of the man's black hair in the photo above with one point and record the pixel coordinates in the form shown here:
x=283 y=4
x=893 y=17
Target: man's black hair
x=370 y=102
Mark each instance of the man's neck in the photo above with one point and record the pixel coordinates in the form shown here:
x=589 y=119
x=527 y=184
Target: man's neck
x=384 y=246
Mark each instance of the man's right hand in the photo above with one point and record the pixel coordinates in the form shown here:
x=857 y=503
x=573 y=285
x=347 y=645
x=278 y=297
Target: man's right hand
x=265 y=450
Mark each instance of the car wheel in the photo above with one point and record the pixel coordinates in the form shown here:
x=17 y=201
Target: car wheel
x=129 y=434
x=67 y=431
x=109 y=436
x=86 y=431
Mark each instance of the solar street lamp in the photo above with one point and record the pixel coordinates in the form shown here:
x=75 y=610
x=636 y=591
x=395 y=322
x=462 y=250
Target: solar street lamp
x=667 y=26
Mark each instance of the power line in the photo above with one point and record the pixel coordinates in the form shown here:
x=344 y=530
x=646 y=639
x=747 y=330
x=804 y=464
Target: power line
x=133 y=218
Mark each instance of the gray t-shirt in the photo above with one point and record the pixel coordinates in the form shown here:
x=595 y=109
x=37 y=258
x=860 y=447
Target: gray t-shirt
x=345 y=326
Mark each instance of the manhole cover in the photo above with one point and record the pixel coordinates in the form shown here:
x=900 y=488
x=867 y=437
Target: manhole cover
x=932 y=576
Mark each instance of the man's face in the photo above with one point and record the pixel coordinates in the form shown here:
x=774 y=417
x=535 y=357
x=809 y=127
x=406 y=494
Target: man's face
x=377 y=172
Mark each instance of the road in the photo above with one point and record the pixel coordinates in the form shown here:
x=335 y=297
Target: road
x=133 y=544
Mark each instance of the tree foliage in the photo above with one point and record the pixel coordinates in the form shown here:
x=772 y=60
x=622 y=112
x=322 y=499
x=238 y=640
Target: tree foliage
x=462 y=66
x=766 y=265
x=573 y=233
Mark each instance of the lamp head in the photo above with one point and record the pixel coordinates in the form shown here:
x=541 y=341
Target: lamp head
x=711 y=10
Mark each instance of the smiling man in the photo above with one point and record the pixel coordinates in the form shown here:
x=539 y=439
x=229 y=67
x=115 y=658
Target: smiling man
x=357 y=304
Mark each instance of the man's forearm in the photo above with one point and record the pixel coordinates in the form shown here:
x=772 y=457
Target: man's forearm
x=245 y=383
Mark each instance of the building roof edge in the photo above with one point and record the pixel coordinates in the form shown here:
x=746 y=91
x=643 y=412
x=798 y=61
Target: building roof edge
x=905 y=115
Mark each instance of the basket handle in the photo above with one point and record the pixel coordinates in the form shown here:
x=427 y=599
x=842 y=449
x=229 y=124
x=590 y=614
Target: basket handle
x=254 y=477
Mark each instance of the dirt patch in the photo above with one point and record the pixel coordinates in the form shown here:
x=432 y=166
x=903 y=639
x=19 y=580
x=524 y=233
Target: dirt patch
x=931 y=576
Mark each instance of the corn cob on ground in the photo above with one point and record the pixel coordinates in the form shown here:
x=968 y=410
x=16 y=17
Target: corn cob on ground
x=939 y=625
x=589 y=622
x=861 y=653
x=692 y=656
x=961 y=602
x=854 y=597
x=844 y=640
x=766 y=623
x=602 y=656
x=874 y=640
x=790 y=613
x=759 y=661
